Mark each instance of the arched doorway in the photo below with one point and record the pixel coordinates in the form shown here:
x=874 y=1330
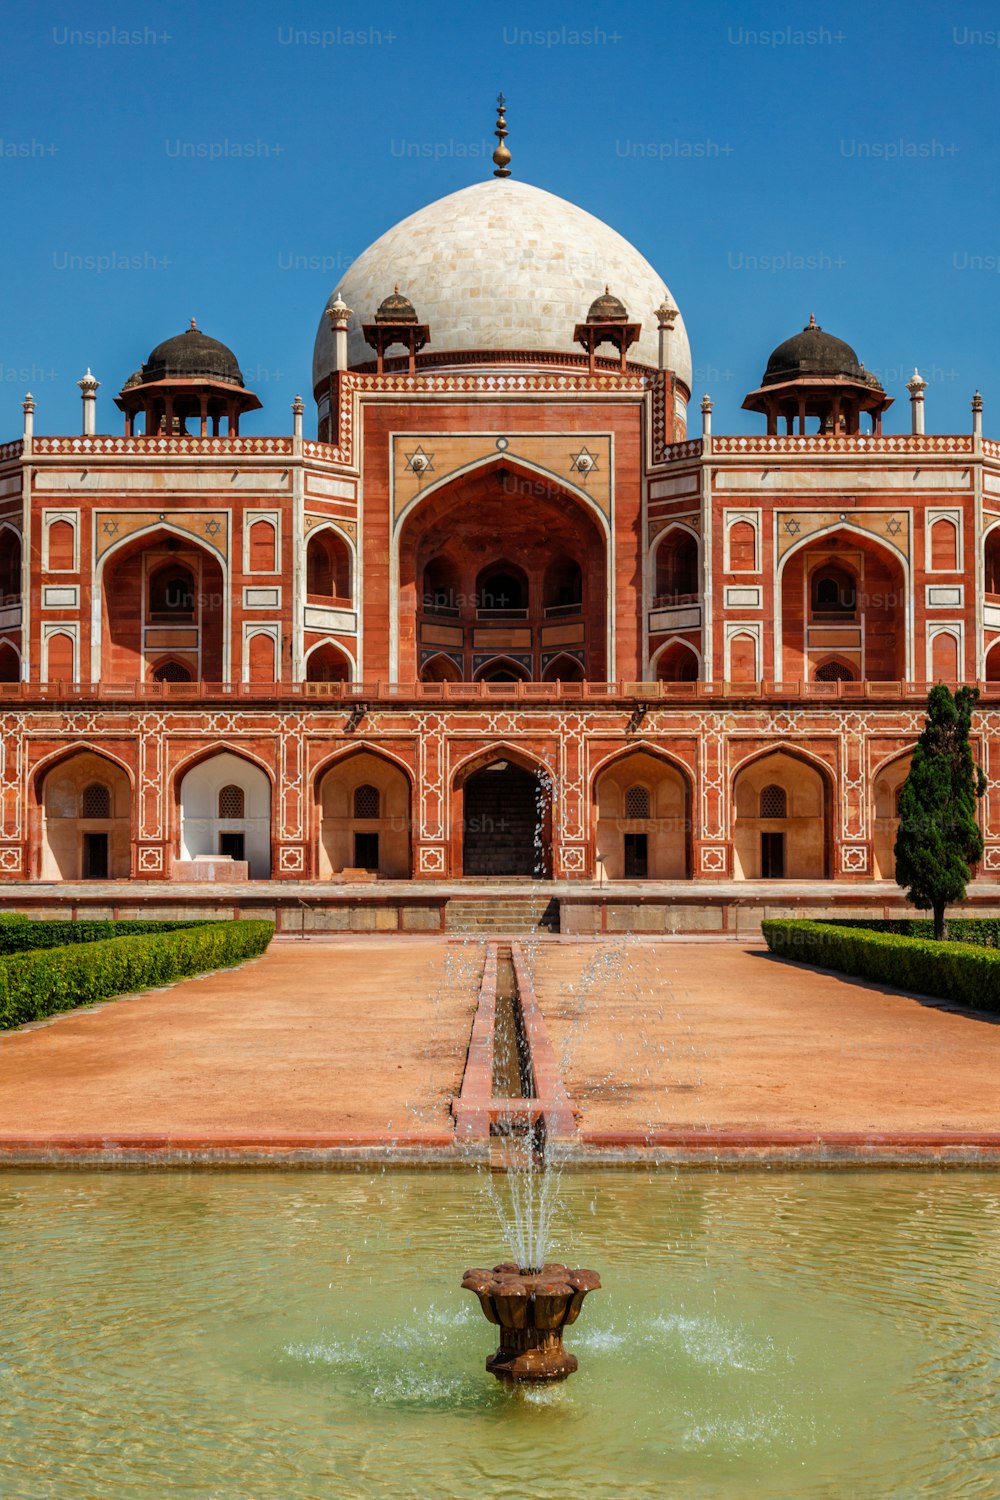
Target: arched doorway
x=506 y=820
x=497 y=563
x=677 y=662
x=676 y=568
x=364 y=817
x=327 y=663
x=163 y=596
x=225 y=809
x=85 y=803
x=783 y=823
x=843 y=596
x=643 y=819
x=885 y=825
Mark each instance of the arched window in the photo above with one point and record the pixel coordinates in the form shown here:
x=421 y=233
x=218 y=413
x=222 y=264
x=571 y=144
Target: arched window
x=95 y=801
x=676 y=567
x=774 y=802
x=232 y=802
x=366 y=801
x=10 y=566
x=441 y=589
x=834 y=593
x=743 y=659
x=991 y=559
x=328 y=567
x=563 y=587
x=261 y=547
x=501 y=591
x=171 y=592
x=834 y=671
x=944 y=657
x=742 y=548
x=440 y=668
x=677 y=663
x=944 y=546
x=61 y=547
x=327 y=664
x=563 y=668
x=172 y=671
x=637 y=802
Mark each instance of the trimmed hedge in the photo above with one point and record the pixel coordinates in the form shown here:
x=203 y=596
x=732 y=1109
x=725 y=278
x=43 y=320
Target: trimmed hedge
x=19 y=933
x=42 y=981
x=961 y=972
x=982 y=932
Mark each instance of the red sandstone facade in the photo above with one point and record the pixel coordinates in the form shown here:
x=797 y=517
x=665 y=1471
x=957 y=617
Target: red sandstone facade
x=503 y=618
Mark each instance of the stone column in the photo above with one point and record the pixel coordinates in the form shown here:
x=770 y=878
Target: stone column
x=338 y=313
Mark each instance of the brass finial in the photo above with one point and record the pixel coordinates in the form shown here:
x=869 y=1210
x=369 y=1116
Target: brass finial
x=501 y=155
x=194 y=325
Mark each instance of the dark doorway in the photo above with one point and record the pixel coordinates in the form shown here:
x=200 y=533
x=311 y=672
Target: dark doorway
x=504 y=823
x=366 y=851
x=772 y=856
x=95 y=856
x=636 y=856
x=233 y=845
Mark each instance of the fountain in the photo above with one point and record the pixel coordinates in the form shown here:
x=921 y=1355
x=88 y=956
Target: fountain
x=513 y=1094
x=531 y=1309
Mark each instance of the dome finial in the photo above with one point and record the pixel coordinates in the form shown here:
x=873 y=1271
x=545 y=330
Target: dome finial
x=193 y=324
x=812 y=321
x=501 y=155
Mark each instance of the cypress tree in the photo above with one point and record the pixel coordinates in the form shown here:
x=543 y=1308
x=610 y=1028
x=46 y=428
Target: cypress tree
x=938 y=836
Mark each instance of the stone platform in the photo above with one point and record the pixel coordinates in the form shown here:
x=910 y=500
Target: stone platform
x=574 y=908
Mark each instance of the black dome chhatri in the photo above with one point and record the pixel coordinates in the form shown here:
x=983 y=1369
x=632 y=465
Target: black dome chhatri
x=192 y=355
x=607 y=309
x=813 y=353
x=396 y=309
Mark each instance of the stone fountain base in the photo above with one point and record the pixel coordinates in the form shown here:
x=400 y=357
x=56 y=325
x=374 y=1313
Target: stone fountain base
x=531 y=1309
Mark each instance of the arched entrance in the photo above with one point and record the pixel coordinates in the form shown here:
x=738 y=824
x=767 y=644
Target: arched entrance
x=506 y=820
x=225 y=809
x=783 y=820
x=364 y=817
x=163 y=598
x=500 y=563
x=844 y=597
x=885 y=796
x=643 y=819
x=85 y=803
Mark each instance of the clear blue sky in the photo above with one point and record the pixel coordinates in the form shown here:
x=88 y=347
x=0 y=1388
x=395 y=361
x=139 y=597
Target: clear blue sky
x=852 y=171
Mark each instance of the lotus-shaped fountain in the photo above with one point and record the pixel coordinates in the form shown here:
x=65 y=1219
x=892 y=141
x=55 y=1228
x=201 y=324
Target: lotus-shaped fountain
x=531 y=1309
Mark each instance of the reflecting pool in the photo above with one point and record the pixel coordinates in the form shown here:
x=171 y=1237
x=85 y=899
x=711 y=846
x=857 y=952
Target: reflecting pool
x=303 y=1334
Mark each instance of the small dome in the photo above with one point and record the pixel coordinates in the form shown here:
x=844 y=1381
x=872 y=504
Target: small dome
x=396 y=309
x=813 y=353
x=607 y=309
x=134 y=379
x=192 y=355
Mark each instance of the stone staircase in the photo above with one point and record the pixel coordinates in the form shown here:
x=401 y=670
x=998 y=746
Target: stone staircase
x=506 y=914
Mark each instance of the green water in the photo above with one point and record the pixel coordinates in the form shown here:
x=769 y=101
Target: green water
x=303 y=1335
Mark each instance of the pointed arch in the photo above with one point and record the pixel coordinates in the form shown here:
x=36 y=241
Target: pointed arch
x=348 y=835
x=807 y=847
x=197 y=782
x=657 y=844
x=514 y=464
x=73 y=835
x=518 y=672
x=563 y=668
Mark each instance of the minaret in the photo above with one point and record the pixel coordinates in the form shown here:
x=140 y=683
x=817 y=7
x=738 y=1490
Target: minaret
x=916 y=388
x=977 y=415
x=666 y=316
x=28 y=408
x=88 y=390
x=338 y=312
x=501 y=155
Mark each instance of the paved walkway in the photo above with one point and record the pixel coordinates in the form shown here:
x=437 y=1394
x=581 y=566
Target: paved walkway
x=367 y=1038
x=311 y=1038
x=720 y=1036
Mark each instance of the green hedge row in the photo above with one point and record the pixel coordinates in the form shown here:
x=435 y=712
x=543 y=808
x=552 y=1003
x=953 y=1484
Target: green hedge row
x=42 y=981
x=19 y=933
x=960 y=972
x=982 y=932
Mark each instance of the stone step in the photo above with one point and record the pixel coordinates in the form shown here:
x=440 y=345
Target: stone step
x=502 y=914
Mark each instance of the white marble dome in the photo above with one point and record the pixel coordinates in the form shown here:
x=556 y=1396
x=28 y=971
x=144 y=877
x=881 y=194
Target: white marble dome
x=501 y=265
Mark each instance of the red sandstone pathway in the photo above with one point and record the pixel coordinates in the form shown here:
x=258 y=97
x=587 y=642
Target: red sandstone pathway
x=345 y=1038
x=723 y=1037
x=368 y=1036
